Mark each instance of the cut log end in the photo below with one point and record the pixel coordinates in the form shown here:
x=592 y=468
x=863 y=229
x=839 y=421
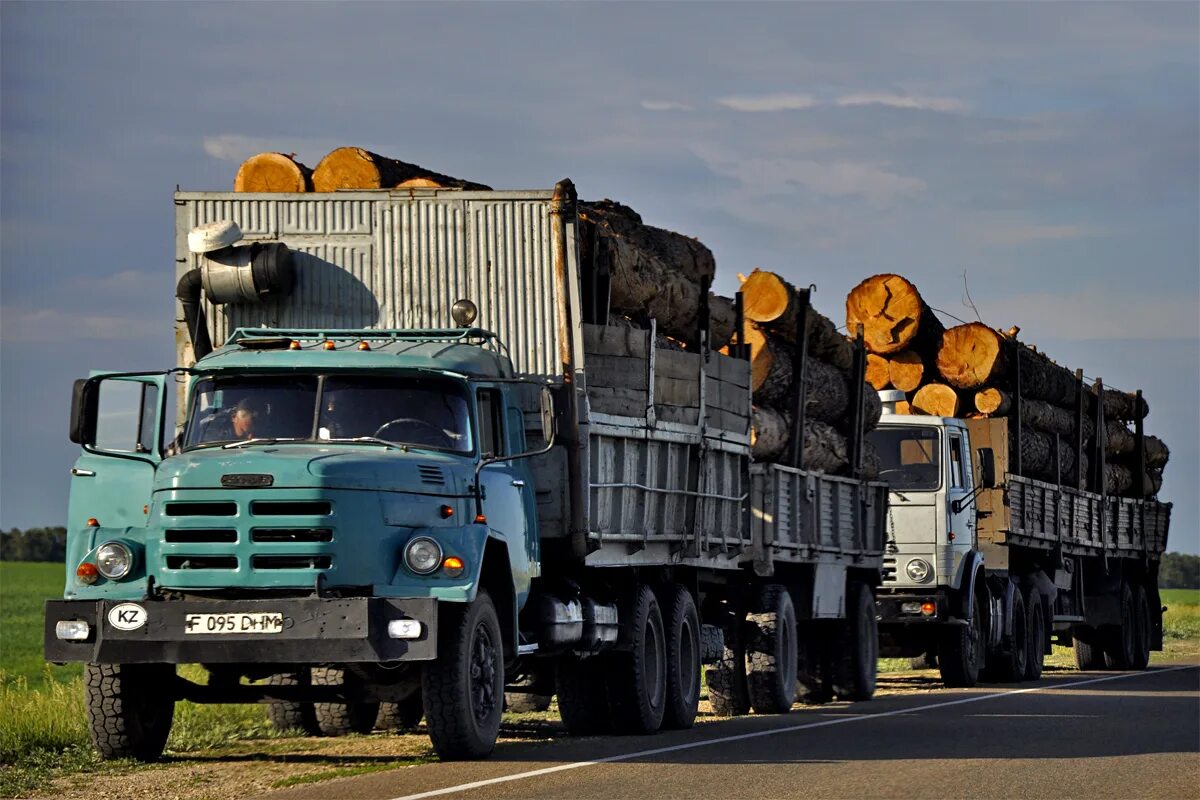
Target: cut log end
x=992 y=401
x=877 y=372
x=890 y=310
x=272 y=172
x=970 y=355
x=936 y=399
x=347 y=168
x=906 y=370
x=765 y=296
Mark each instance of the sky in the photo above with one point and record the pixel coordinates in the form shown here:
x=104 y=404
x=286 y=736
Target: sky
x=1044 y=156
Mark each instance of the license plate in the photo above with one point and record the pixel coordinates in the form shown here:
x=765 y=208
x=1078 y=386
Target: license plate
x=260 y=622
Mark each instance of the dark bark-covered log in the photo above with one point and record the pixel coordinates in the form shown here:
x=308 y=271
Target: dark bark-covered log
x=970 y=355
x=355 y=168
x=657 y=273
x=272 y=172
x=1157 y=453
x=877 y=372
x=872 y=408
x=870 y=461
x=1042 y=379
x=1120 y=441
x=1122 y=405
x=906 y=370
x=1037 y=460
x=993 y=402
x=770 y=368
x=935 y=399
x=825 y=448
x=770 y=431
x=769 y=300
x=1119 y=480
x=893 y=316
x=1053 y=419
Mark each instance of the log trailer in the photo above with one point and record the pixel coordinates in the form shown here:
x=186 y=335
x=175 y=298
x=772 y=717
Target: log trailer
x=419 y=469
x=985 y=569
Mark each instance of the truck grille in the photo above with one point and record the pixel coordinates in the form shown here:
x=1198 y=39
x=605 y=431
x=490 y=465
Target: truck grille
x=431 y=475
x=195 y=535
x=291 y=508
x=193 y=509
x=291 y=535
x=291 y=562
x=202 y=562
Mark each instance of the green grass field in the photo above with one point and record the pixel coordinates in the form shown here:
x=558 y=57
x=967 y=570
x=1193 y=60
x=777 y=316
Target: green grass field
x=24 y=588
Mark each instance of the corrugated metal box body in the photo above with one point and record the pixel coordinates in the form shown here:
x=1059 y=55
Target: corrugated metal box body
x=396 y=260
x=801 y=517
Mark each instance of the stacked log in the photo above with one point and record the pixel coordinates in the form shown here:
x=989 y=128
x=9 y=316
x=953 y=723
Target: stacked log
x=774 y=317
x=273 y=172
x=967 y=370
x=356 y=168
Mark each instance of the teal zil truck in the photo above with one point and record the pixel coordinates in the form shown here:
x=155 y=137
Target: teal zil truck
x=418 y=470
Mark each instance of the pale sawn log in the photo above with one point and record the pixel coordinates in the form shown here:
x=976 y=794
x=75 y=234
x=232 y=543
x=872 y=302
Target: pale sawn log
x=992 y=402
x=877 y=372
x=906 y=370
x=935 y=399
x=971 y=355
x=770 y=301
x=356 y=168
x=894 y=316
x=272 y=172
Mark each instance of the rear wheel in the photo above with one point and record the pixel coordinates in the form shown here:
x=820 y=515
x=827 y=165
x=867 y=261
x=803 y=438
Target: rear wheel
x=579 y=684
x=683 y=659
x=857 y=656
x=339 y=719
x=771 y=651
x=726 y=679
x=463 y=687
x=403 y=715
x=636 y=679
x=1141 y=625
x=291 y=715
x=1119 y=639
x=1088 y=652
x=1035 y=636
x=1009 y=664
x=959 y=650
x=535 y=691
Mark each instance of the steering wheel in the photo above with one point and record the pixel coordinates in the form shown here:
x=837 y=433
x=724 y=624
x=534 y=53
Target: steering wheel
x=441 y=434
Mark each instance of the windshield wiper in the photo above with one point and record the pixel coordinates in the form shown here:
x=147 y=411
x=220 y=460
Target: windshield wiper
x=245 y=442
x=371 y=440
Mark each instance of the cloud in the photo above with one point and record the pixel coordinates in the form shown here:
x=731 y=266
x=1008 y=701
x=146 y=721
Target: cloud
x=664 y=105
x=45 y=325
x=768 y=102
x=1096 y=313
x=1011 y=235
x=901 y=101
x=237 y=148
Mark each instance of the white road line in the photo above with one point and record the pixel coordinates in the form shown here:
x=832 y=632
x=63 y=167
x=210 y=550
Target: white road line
x=520 y=776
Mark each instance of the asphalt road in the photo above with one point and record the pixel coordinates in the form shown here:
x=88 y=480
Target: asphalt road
x=1088 y=735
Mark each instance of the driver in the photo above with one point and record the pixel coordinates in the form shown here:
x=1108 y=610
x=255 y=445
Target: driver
x=238 y=423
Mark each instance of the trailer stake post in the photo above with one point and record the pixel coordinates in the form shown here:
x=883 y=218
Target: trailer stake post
x=799 y=377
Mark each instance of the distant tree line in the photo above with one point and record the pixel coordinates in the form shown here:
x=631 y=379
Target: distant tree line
x=35 y=544
x=1179 y=571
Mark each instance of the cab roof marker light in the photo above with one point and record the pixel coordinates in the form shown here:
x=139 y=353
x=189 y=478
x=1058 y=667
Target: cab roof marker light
x=329 y=345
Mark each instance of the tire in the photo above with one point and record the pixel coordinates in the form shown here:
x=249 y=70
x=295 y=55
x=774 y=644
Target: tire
x=1088 y=652
x=1119 y=639
x=340 y=719
x=1141 y=625
x=683 y=659
x=771 y=651
x=536 y=692
x=856 y=657
x=404 y=715
x=290 y=715
x=728 y=692
x=464 y=686
x=927 y=660
x=1035 y=635
x=582 y=705
x=636 y=680
x=129 y=709
x=1009 y=665
x=960 y=650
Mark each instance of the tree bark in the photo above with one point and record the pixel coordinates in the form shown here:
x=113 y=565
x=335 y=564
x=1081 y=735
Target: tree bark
x=970 y=355
x=1120 y=441
x=936 y=399
x=906 y=370
x=1037 y=449
x=769 y=300
x=893 y=316
x=770 y=431
x=657 y=273
x=1119 y=480
x=272 y=172
x=1053 y=419
x=355 y=168
x=1122 y=405
x=877 y=372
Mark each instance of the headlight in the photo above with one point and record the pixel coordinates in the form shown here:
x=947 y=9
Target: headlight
x=423 y=555
x=114 y=560
x=918 y=570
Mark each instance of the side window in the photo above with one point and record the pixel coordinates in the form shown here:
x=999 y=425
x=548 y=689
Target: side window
x=490 y=428
x=516 y=431
x=126 y=418
x=956 y=463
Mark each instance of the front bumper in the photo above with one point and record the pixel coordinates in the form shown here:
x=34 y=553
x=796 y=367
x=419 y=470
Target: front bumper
x=888 y=607
x=315 y=631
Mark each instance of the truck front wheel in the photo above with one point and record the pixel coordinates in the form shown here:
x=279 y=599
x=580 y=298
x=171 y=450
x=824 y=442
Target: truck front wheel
x=857 y=658
x=1009 y=665
x=771 y=648
x=683 y=659
x=129 y=709
x=1141 y=627
x=637 y=678
x=959 y=650
x=1035 y=636
x=1119 y=639
x=1088 y=652
x=464 y=686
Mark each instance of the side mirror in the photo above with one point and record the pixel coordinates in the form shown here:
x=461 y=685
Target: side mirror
x=549 y=425
x=85 y=402
x=987 y=467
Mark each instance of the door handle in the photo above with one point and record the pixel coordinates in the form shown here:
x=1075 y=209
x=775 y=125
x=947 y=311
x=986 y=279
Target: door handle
x=518 y=482
x=82 y=473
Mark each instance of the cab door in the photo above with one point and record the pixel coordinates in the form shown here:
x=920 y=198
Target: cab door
x=959 y=483
x=118 y=421
x=504 y=483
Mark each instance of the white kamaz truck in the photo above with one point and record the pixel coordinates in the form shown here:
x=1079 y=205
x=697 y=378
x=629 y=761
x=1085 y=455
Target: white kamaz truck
x=985 y=569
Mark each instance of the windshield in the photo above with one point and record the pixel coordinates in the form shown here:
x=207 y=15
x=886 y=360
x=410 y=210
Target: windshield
x=909 y=456
x=421 y=412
